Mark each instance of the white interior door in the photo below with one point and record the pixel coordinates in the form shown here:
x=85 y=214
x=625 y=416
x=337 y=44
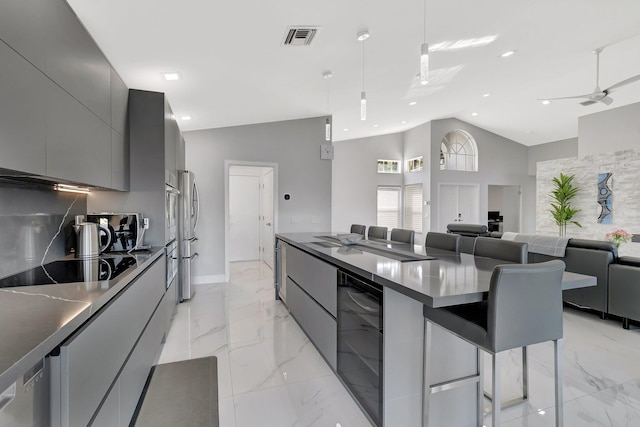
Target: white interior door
x=510 y=211
x=266 y=223
x=458 y=203
x=244 y=218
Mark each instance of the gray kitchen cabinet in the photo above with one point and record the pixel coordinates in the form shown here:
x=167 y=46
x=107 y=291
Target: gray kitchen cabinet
x=109 y=414
x=319 y=326
x=119 y=100
x=74 y=61
x=22 y=114
x=134 y=374
x=318 y=278
x=78 y=143
x=91 y=359
x=119 y=161
x=21 y=28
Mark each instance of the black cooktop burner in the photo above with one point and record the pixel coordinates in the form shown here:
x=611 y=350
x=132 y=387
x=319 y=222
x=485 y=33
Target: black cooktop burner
x=69 y=271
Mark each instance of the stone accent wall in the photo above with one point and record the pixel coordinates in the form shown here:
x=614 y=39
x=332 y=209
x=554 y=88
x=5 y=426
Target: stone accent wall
x=625 y=166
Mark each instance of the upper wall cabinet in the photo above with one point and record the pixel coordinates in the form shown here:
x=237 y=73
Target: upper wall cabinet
x=119 y=99
x=78 y=142
x=74 y=61
x=22 y=114
x=21 y=27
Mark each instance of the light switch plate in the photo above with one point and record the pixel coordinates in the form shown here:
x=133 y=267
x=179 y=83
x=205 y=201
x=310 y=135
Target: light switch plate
x=326 y=152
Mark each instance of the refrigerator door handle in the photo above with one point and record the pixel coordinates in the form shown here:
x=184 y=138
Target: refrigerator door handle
x=196 y=199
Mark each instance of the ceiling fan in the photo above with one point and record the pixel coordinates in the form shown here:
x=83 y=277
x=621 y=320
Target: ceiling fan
x=599 y=95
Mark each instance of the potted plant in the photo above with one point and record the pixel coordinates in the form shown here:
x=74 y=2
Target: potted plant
x=561 y=196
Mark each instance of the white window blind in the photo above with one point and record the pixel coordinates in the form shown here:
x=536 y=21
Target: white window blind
x=389 y=207
x=413 y=207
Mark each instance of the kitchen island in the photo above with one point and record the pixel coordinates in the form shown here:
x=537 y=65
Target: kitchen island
x=38 y=319
x=312 y=265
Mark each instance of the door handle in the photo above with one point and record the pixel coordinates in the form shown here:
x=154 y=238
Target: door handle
x=268 y=224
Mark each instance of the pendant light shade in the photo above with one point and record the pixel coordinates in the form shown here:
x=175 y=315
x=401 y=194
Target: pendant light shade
x=327 y=122
x=424 y=52
x=327 y=129
x=362 y=36
x=424 y=63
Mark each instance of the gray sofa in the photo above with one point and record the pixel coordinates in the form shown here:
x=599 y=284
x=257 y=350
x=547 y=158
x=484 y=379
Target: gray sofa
x=468 y=233
x=624 y=289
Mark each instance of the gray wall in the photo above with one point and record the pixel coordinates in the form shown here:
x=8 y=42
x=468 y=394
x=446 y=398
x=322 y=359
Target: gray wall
x=29 y=219
x=355 y=178
x=294 y=145
x=550 y=151
x=501 y=162
x=610 y=130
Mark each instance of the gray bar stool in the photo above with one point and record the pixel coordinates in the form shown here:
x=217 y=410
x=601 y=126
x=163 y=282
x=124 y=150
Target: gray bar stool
x=524 y=308
x=402 y=235
x=359 y=229
x=443 y=241
x=376 y=232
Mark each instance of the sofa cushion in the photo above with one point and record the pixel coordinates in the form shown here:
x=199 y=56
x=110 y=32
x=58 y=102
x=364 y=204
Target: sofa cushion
x=629 y=260
x=599 y=245
x=468 y=229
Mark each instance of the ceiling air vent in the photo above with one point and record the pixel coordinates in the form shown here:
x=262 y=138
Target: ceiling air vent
x=300 y=35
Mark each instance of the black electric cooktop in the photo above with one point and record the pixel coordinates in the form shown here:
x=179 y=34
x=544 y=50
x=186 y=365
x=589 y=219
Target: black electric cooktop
x=69 y=271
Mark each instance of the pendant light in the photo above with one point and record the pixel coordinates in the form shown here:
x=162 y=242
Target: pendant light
x=327 y=122
x=362 y=36
x=424 y=52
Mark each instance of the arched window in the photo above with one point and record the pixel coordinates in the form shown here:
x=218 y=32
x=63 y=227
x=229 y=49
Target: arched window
x=458 y=152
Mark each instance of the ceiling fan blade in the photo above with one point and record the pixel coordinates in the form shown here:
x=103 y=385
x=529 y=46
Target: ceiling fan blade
x=607 y=100
x=622 y=83
x=588 y=96
x=587 y=103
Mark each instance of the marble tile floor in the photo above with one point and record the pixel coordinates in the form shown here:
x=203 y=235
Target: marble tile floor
x=270 y=374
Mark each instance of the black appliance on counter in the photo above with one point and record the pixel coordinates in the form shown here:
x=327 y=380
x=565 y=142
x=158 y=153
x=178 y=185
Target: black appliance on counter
x=360 y=344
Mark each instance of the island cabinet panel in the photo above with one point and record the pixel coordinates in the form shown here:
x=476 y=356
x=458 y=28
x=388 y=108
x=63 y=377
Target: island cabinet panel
x=74 y=61
x=91 y=359
x=78 y=143
x=318 y=278
x=109 y=415
x=22 y=113
x=21 y=27
x=319 y=326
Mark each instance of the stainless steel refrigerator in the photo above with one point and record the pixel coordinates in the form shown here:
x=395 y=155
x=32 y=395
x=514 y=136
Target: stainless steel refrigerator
x=189 y=210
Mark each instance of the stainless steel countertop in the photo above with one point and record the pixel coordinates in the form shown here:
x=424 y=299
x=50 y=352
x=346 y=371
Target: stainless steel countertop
x=444 y=281
x=36 y=319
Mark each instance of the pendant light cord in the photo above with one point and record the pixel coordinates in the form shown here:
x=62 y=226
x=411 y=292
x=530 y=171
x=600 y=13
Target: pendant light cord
x=425 y=21
x=363 y=41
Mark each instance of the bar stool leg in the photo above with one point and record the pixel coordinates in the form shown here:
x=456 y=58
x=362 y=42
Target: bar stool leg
x=426 y=373
x=557 y=350
x=480 y=386
x=496 y=391
x=525 y=374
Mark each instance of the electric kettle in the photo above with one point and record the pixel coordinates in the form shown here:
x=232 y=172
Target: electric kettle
x=89 y=239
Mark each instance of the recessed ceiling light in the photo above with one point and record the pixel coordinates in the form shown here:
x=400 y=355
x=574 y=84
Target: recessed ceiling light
x=403 y=122
x=412 y=103
x=346 y=129
x=474 y=114
x=185 y=118
x=486 y=95
x=507 y=54
x=172 y=76
x=375 y=126
x=546 y=102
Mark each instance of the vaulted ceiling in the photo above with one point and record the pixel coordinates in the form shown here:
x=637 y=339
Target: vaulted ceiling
x=236 y=71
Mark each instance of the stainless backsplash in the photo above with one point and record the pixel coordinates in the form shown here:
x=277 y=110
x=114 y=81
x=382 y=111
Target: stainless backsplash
x=29 y=219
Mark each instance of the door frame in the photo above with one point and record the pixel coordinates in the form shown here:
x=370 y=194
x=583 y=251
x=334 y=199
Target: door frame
x=227 y=165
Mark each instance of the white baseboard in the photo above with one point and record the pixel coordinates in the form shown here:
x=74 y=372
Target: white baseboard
x=202 y=280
